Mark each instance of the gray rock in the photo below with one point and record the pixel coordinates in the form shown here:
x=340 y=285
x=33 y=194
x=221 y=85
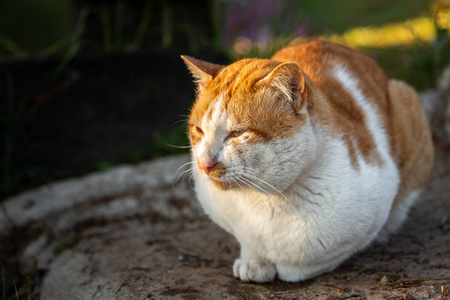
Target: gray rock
x=121 y=186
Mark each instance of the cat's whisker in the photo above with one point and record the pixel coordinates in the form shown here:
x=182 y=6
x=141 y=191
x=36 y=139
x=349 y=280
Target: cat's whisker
x=191 y=176
x=242 y=183
x=249 y=173
x=236 y=181
x=185 y=173
x=183 y=165
x=176 y=146
x=249 y=182
x=179 y=121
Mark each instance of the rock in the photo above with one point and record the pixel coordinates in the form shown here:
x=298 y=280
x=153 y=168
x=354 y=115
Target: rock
x=132 y=233
x=105 y=193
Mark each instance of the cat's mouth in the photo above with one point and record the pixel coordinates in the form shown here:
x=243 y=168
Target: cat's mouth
x=223 y=185
x=217 y=174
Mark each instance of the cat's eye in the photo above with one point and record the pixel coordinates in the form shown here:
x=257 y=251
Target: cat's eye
x=198 y=130
x=237 y=133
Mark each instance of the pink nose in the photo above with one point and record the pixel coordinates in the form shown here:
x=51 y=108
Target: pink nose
x=207 y=166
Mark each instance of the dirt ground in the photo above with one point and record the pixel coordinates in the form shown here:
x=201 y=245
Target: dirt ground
x=177 y=253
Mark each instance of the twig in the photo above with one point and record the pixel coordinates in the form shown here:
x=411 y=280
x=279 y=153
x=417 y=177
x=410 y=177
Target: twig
x=444 y=293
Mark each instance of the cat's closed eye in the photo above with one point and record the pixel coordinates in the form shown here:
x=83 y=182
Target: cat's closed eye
x=197 y=130
x=236 y=133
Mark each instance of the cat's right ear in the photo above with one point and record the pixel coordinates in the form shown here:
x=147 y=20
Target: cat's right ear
x=289 y=79
x=202 y=71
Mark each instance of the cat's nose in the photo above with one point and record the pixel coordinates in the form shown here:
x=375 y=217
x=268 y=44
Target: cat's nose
x=206 y=166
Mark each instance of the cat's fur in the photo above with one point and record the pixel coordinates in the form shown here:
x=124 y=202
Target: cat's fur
x=307 y=157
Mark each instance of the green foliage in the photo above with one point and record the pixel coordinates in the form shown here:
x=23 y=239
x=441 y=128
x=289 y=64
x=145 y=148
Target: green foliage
x=419 y=64
x=337 y=16
x=113 y=19
x=74 y=43
x=30 y=26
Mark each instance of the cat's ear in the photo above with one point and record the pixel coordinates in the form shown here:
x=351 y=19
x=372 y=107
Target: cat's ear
x=289 y=79
x=202 y=71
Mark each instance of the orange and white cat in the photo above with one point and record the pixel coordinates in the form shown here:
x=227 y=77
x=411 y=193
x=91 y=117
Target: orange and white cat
x=307 y=157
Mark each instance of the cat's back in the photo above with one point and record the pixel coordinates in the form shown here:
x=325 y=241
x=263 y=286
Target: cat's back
x=318 y=59
x=367 y=109
x=338 y=71
x=354 y=105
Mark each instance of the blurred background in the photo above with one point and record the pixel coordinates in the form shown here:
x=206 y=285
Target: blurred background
x=87 y=84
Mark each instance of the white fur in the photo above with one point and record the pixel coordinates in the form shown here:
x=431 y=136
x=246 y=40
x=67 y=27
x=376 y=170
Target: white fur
x=315 y=210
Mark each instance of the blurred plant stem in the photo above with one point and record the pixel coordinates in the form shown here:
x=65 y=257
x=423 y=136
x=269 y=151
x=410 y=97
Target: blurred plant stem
x=75 y=42
x=8 y=44
x=143 y=26
x=112 y=26
x=113 y=19
x=166 y=26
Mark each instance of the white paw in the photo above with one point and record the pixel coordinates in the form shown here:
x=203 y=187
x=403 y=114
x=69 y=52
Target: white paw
x=254 y=270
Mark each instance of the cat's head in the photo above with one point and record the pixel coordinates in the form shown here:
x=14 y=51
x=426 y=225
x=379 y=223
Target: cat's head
x=247 y=124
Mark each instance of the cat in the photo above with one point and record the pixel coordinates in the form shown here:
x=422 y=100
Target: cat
x=307 y=157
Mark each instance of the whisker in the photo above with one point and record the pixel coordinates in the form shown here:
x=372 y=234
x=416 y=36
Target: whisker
x=236 y=180
x=184 y=172
x=249 y=182
x=179 y=121
x=177 y=147
x=249 y=171
x=191 y=176
x=183 y=165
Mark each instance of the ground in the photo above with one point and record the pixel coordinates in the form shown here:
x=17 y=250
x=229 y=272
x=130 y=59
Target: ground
x=135 y=232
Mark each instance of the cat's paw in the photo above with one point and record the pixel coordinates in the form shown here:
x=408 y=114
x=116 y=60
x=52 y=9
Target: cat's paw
x=254 y=270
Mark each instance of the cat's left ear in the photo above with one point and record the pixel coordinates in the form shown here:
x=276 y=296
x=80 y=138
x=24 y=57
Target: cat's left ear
x=289 y=79
x=202 y=71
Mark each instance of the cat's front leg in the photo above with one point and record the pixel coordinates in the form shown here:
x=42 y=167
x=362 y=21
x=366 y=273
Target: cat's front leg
x=254 y=270
x=251 y=268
